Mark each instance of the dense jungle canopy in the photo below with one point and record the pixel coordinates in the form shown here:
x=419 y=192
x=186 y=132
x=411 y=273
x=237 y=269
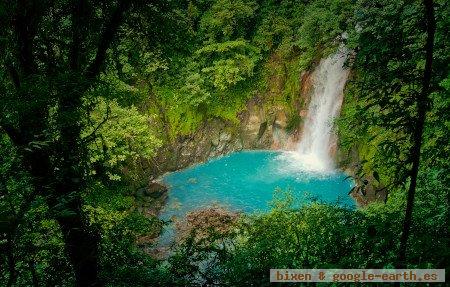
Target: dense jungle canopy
x=92 y=93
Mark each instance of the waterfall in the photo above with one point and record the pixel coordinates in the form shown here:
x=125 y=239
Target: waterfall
x=317 y=141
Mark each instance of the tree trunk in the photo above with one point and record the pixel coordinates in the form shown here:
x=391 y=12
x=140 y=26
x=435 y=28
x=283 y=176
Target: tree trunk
x=57 y=168
x=81 y=241
x=422 y=102
x=82 y=248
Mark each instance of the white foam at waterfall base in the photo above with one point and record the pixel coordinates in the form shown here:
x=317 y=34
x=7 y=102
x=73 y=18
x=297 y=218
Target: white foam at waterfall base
x=313 y=152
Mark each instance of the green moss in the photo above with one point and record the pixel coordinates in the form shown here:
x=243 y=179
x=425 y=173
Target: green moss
x=293 y=122
x=277 y=83
x=283 y=77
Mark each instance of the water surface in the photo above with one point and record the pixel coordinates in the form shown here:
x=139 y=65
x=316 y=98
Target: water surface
x=245 y=181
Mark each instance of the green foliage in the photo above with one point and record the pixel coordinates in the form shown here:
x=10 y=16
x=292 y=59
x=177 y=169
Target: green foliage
x=172 y=67
x=123 y=136
x=324 y=23
x=217 y=68
x=314 y=236
x=274 y=32
x=112 y=210
x=380 y=103
x=436 y=136
x=294 y=122
x=227 y=72
x=176 y=115
x=134 y=61
x=227 y=19
x=229 y=58
x=30 y=240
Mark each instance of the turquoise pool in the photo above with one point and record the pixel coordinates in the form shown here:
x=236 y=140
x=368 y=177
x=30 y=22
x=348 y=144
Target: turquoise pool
x=245 y=181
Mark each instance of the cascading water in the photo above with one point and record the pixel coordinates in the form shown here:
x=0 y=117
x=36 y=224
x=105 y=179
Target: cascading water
x=314 y=149
x=245 y=181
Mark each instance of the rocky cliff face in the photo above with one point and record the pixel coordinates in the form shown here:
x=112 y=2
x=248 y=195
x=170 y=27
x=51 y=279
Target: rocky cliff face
x=261 y=126
x=258 y=129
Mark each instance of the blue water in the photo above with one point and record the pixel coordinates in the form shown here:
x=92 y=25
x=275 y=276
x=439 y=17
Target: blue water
x=245 y=181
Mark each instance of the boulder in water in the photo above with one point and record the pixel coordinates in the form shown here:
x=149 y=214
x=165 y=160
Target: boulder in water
x=155 y=190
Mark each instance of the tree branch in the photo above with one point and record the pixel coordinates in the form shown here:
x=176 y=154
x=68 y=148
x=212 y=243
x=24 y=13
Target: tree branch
x=107 y=37
x=105 y=119
x=79 y=9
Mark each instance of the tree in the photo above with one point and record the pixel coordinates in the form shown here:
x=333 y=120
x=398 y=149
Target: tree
x=422 y=105
x=227 y=20
x=389 y=96
x=53 y=57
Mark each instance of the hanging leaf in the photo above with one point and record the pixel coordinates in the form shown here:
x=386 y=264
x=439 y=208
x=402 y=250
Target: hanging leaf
x=376 y=176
